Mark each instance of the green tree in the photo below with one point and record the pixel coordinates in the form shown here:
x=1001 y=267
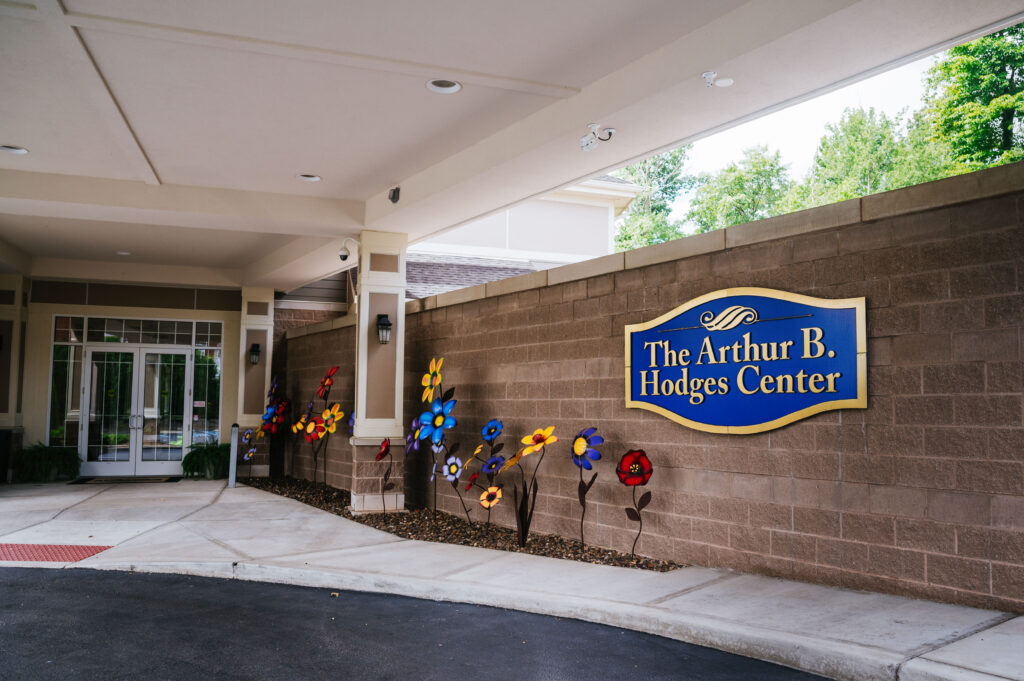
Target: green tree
x=866 y=152
x=644 y=229
x=746 y=190
x=660 y=179
x=976 y=99
x=855 y=157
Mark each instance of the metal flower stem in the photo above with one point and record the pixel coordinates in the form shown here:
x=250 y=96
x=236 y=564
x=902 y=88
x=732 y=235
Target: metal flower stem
x=633 y=551
x=383 y=505
x=461 y=501
x=583 y=513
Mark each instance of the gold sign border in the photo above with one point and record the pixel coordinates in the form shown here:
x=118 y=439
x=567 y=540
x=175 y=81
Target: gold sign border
x=860 y=402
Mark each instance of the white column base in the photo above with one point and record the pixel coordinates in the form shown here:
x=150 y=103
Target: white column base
x=371 y=503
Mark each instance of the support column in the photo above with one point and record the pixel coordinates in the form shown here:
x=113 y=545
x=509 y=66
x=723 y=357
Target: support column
x=257 y=327
x=379 y=371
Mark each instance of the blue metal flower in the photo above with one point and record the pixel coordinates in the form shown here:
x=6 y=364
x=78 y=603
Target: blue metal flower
x=433 y=423
x=583 y=451
x=493 y=465
x=491 y=431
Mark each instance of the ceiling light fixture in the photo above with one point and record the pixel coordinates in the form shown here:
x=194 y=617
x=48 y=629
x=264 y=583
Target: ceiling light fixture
x=308 y=177
x=711 y=78
x=124 y=252
x=443 y=86
x=11 y=149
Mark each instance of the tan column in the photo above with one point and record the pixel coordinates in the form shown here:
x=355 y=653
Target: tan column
x=379 y=370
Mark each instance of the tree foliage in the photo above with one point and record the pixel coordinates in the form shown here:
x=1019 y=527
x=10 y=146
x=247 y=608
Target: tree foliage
x=745 y=190
x=976 y=98
x=660 y=179
x=866 y=152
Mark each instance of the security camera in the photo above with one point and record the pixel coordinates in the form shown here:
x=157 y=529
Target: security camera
x=590 y=140
x=346 y=251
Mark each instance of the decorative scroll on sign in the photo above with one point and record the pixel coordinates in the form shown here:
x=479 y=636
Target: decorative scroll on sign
x=747 y=360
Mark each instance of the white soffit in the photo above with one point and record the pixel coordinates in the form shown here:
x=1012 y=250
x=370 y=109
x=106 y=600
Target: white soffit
x=199 y=113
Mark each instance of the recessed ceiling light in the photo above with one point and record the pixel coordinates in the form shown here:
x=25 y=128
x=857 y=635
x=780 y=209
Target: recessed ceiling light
x=306 y=177
x=124 y=252
x=723 y=82
x=443 y=86
x=11 y=149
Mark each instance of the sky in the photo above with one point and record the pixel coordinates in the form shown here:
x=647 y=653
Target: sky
x=795 y=131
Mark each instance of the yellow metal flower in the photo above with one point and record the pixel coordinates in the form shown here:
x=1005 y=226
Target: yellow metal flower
x=490 y=497
x=432 y=379
x=300 y=425
x=540 y=439
x=331 y=416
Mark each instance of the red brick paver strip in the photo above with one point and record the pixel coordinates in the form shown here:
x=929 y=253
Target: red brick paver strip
x=59 y=553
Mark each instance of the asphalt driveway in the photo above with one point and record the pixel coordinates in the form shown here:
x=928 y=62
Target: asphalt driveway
x=88 y=624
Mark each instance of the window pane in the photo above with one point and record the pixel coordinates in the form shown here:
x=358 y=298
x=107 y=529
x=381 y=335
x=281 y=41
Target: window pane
x=65 y=395
x=206 y=397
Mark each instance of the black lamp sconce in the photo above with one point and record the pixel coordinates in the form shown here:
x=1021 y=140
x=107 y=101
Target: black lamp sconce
x=383 y=329
x=254 y=354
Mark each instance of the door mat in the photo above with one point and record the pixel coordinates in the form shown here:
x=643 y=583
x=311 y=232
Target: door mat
x=55 y=553
x=124 y=478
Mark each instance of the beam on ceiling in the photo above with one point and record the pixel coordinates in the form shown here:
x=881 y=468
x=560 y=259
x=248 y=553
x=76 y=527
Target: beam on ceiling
x=80 y=62
x=14 y=259
x=300 y=262
x=87 y=198
x=135 y=273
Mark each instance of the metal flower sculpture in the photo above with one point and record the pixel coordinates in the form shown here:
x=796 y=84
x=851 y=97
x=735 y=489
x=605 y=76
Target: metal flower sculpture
x=583 y=452
x=273 y=415
x=490 y=465
x=250 y=451
x=452 y=471
x=319 y=424
x=525 y=495
x=635 y=470
x=412 y=440
x=385 y=483
x=433 y=424
x=431 y=381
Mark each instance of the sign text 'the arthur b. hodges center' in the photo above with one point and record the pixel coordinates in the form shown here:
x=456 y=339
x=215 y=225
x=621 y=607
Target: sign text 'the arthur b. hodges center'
x=747 y=360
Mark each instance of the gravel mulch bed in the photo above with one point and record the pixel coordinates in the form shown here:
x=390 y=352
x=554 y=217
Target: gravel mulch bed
x=425 y=525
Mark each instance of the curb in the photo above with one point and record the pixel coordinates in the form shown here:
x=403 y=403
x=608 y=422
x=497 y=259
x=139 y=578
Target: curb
x=834 y=659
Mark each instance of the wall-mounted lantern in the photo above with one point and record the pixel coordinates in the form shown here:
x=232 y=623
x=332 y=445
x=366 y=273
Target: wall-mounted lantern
x=383 y=329
x=254 y=354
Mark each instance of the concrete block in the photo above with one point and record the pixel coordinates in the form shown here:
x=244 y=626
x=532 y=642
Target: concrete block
x=678 y=249
x=794 y=224
x=588 y=268
x=462 y=295
x=946 y=192
x=523 y=282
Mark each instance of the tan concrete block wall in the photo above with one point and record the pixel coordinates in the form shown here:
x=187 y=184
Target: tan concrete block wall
x=309 y=358
x=921 y=494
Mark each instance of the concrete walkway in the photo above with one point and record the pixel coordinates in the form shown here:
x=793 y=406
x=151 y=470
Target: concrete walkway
x=202 y=528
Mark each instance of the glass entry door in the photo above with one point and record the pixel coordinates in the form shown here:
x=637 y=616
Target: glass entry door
x=139 y=416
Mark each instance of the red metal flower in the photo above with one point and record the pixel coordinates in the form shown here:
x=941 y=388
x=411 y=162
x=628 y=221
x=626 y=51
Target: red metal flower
x=634 y=469
x=385 y=449
x=325 y=383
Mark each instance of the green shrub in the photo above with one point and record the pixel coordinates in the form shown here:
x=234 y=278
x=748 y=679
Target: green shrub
x=210 y=461
x=39 y=463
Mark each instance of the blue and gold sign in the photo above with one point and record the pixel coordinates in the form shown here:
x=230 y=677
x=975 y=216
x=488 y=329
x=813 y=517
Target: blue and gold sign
x=747 y=360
